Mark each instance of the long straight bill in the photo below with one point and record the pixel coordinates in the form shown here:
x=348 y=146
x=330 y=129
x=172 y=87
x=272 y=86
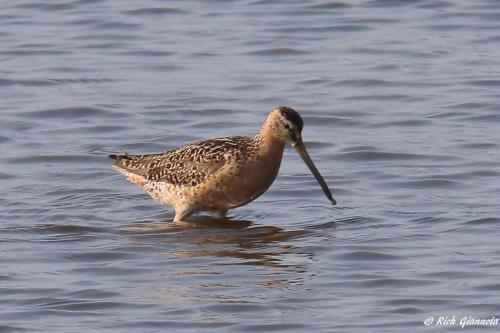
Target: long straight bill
x=301 y=150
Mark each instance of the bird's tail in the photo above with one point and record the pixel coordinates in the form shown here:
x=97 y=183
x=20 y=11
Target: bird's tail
x=122 y=164
x=125 y=161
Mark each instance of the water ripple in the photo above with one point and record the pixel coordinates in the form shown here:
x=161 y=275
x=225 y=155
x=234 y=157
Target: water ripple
x=156 y=11
x=277 y=52
x=365 y=155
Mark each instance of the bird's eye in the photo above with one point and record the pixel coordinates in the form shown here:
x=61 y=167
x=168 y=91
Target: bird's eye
x=286 y=126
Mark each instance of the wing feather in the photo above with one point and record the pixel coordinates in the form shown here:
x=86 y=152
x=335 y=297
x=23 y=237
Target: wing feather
x=188 y=165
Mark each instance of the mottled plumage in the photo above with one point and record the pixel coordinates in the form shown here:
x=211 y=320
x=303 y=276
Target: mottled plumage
x=216 y=174
x=188 y=165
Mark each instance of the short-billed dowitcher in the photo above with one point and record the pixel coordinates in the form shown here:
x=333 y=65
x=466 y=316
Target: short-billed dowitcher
x=219 y=174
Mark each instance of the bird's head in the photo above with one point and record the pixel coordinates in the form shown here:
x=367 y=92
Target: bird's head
x=286 y=125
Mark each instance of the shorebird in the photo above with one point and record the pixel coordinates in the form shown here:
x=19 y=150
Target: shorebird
x=219 y=174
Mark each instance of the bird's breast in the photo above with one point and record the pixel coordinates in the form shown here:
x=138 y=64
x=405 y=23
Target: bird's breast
x=241 y=180
x=253 y=177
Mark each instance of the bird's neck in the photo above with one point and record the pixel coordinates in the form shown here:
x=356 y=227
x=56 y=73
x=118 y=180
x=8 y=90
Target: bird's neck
x=268 y=142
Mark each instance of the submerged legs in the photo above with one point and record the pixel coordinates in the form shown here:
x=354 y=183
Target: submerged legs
x=222 y=213
x=182 y=213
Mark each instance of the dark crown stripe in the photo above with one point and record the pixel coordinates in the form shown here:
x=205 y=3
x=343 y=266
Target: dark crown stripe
x=292 y=116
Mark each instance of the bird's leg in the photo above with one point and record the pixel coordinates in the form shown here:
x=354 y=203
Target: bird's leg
x=183 y=212
x=221 y=213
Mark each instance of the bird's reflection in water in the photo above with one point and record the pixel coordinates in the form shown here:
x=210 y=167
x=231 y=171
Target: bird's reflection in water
x=226 y=239
x=252 y=245
x=220 y=262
